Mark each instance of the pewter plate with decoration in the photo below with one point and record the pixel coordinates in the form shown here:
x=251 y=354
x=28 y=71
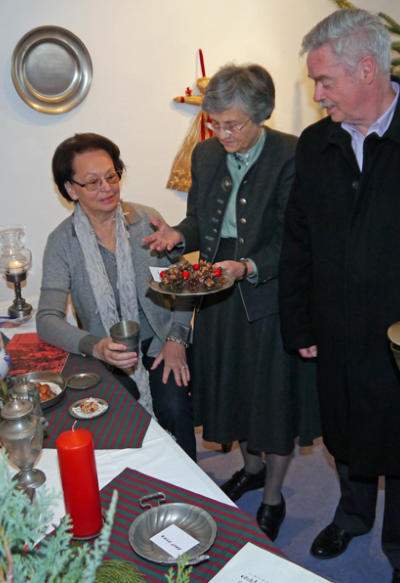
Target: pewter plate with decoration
x=51 y=69
x=228 y=281
x=88 y=408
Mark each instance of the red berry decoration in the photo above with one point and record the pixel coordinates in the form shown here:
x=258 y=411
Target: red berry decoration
x=162 y=273
x=196 y=267
x=185 y=274
x=217 y=272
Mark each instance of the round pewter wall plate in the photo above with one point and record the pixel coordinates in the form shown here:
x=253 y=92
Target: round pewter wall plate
x=51 y=69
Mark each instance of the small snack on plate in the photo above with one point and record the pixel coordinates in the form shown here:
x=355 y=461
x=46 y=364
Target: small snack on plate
x=89 y=407
x=47 y=390
x=195 y=278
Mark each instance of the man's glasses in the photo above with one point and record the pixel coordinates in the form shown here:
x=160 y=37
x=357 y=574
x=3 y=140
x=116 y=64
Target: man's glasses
x=95 y=183
x=229 y=128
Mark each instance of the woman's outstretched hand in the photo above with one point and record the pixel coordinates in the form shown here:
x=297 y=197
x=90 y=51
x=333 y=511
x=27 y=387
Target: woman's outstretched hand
x=164 y=237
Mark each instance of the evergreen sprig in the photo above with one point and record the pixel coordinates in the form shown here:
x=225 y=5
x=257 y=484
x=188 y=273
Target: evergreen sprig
x=27 y=553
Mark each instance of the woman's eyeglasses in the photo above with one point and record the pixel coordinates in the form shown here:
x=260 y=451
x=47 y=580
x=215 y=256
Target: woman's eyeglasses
x=229 y=128
x=95 y=183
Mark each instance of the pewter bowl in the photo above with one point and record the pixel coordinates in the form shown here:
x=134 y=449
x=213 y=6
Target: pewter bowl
x=192 y=519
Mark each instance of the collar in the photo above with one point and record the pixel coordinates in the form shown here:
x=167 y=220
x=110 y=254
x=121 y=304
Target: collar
x=380 y=126
x=246 y=159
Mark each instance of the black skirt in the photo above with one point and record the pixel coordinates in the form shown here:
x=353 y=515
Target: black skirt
x=245 y=385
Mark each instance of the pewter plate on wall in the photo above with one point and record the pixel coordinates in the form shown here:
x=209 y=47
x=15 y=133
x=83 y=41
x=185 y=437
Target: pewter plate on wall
x=51 y=69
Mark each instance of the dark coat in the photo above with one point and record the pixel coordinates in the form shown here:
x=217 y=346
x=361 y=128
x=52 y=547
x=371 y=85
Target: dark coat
x=260 y=206
x=340 y=288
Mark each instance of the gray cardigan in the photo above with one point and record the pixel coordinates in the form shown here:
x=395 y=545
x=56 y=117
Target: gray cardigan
x=64 y=275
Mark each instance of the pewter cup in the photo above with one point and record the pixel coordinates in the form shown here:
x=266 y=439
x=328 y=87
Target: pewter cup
x=126 y=332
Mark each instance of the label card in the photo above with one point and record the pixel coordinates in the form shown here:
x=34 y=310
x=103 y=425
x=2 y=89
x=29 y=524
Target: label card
x=174 y=541
x=252 y=564
x=155 y=272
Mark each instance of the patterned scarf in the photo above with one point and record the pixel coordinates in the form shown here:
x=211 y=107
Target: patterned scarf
x=102 y=289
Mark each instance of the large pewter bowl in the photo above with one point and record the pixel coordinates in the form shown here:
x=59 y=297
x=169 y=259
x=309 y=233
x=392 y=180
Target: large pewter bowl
x=192 y=519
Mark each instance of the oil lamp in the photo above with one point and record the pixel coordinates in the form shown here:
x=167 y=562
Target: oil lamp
x=15 y=260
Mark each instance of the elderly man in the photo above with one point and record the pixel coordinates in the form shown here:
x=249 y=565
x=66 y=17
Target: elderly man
x=340 y=278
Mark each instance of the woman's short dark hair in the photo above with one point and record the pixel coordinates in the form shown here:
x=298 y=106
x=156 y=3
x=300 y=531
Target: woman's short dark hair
x=248 y=86
x=65 y=153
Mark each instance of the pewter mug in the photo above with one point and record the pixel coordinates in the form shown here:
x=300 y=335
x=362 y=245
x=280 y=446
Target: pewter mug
x=126 y=332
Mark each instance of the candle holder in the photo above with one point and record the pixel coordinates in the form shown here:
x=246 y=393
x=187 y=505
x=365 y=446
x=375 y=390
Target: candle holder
x=15 y=260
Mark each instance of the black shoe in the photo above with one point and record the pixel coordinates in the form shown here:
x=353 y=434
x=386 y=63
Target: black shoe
x=242 y=482
x=331 y=542
x=270 y=518
x=396 y=575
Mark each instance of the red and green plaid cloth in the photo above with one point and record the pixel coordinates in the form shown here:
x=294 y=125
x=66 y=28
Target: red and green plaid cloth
x=234 y=526
x=123 y=425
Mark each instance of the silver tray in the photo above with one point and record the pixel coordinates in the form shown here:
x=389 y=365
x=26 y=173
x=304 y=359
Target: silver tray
x=51 y=69
x=46 y=377
x=192 y=519
x=229 y=280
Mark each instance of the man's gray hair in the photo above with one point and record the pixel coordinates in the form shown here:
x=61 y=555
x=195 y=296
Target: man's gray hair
x=352 y=35
x=250 y=87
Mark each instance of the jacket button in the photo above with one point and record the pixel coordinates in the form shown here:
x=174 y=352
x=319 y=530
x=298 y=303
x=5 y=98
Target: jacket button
x=242 y=201
x=241 y=240
x=219 y=212
x=215 y=230
x=208 y=248
x=355 y=184
x=243 y=221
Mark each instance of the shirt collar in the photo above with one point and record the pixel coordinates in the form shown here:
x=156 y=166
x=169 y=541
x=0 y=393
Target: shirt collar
x=381 y=125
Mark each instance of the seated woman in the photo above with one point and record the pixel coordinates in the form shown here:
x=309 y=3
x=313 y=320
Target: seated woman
x=96 y=256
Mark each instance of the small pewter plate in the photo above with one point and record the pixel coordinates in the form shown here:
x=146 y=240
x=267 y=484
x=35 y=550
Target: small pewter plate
x=100 y=406
x=192 y=519
x=82 y=380
x=51 y=69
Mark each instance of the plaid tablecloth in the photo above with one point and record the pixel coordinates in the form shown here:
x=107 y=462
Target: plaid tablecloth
x=123 y=425
x=234 y=526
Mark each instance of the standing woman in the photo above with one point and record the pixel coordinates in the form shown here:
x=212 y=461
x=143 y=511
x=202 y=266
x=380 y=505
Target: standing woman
x=242 y=378
x=96 y=257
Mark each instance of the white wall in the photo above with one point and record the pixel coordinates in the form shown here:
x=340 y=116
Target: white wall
x=144 y=53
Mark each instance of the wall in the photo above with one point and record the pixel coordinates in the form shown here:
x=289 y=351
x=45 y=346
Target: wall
x=144 y=53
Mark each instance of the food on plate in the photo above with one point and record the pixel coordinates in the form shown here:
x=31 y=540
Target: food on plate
x=47 y=390
x=192 y=278
x=89 y=406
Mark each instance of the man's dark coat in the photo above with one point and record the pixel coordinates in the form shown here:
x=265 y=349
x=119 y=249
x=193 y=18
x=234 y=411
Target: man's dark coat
x=340 y=288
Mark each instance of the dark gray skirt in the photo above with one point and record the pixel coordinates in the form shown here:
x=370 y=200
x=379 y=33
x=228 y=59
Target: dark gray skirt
x=245 y=385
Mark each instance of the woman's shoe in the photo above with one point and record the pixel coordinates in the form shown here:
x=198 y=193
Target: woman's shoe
x=270 y=518
x=242 y=482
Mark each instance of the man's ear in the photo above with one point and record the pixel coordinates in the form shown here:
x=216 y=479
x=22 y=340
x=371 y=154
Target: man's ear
x=367 y=69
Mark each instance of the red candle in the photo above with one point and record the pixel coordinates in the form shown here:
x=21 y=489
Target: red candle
x=79 y=481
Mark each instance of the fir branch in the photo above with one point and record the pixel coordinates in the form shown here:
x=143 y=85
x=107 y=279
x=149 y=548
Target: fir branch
x=182 y=571
x=392 y=25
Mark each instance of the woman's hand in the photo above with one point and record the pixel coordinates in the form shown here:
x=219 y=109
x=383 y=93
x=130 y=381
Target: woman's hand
x=235 y=268
x=164 y=237
x=174 y=357
x=114 y=353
